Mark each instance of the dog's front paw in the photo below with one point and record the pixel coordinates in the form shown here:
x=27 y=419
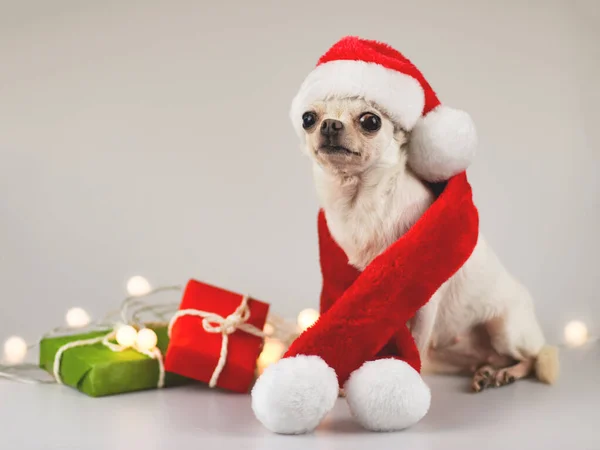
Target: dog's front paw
x=387 y=395
x=293 y=395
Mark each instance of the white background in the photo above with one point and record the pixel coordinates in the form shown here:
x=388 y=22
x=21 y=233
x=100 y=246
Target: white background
x=153 y=138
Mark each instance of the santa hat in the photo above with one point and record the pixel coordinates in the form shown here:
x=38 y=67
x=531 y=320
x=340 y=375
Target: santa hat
x=443 y=139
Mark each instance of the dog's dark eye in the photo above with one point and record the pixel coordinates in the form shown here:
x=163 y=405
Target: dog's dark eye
x=370 y=122
x=308 y=120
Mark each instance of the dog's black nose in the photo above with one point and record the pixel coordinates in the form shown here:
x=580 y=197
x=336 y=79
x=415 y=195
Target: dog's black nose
x=331 y=127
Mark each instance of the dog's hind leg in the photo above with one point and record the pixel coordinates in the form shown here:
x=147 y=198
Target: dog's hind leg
x=517 y=334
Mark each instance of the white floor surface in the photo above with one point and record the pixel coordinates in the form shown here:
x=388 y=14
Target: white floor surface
x=526 y=415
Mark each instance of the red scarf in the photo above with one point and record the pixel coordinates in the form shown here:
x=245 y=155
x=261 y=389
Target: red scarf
x=364 y=314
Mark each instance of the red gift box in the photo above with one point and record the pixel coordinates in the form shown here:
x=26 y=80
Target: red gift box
x=194 y=352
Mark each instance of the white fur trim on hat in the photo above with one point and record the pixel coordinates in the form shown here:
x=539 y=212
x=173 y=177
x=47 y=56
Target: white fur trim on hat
x=399 y=94
x=293 y=395
x=387 y=395
x=442 y=144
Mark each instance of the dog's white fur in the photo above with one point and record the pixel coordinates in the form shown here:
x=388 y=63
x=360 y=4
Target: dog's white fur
x=371 y=200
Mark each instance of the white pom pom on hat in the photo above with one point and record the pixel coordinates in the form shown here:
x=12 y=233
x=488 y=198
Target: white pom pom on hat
x=442 y=144
x=443 y=140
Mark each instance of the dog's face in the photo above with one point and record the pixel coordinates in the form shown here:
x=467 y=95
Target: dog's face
x=347 y=136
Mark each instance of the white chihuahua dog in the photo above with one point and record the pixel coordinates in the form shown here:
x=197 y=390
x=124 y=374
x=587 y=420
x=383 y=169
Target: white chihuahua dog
x=482 y=320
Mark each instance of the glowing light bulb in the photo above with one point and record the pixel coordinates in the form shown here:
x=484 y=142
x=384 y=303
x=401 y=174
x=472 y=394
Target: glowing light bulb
x=307 y=318
x=126 y=336
x=137 y=286
x=146 y=339
x=15 y=350
x=576 y=333
x=272 y=351
x=77 y=318
x=268 y=329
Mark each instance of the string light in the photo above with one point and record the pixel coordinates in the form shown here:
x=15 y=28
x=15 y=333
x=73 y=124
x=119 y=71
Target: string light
x=281 y=332
x=146 y=339
x=126 y=336
x=138 y=286
x=15 y=350
x=77 y=318
x=576 y=333
x=271 y=353
x=307 y=318
x=268 y=329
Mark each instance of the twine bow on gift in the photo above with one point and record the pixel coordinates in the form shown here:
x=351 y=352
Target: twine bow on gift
x=154 y=353
x=214 y=323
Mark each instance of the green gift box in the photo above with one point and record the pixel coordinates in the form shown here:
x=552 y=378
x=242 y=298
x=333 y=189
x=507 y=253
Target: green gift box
x=98 y=371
